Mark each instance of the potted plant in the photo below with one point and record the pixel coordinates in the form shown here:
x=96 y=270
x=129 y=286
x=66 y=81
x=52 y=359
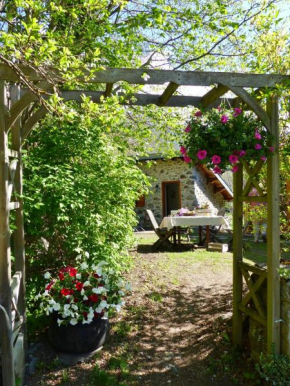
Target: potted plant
x=222 y=138
x=80 y=300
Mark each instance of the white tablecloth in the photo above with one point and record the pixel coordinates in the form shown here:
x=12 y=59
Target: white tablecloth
x=191 y=221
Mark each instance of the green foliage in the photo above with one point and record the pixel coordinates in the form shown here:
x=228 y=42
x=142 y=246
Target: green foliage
x=220 y=138
x=80 y=187
x=274 y=369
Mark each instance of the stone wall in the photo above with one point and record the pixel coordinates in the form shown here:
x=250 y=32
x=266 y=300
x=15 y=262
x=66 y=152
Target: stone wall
x=193 y=183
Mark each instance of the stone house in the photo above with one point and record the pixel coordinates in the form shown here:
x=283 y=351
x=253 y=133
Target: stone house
x=175 y=184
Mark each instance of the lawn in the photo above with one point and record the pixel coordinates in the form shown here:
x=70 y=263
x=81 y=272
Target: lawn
x=174 y=330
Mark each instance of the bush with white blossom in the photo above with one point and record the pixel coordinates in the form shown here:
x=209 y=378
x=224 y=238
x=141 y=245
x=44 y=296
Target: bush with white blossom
x=83 y=293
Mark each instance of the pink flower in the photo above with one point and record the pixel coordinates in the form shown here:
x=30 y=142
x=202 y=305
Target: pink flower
x=187 y=129
x=182 y=150
x=217 y=170
x=224 y=119
x=258 y=146
x=242 y=153
x=198 y=114
x=201 y=154
x=264 y=158
x=219 y=108
x=216 y=159
x=271 y=148
x=235 y=168
x=187 y=159
x=233 y=159
x=237 y=111
x=258 y=135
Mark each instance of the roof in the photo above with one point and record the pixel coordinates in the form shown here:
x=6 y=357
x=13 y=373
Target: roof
x=219 y=184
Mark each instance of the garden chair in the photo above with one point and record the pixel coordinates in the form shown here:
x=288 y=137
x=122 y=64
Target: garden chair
x=163 y=233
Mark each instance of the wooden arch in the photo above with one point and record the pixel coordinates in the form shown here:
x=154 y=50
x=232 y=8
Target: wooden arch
x=16 y=126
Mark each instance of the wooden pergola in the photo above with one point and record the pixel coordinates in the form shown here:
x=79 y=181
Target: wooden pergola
x=15 y=125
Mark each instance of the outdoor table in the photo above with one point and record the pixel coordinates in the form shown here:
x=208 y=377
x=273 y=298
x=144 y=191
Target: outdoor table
x=179 y=222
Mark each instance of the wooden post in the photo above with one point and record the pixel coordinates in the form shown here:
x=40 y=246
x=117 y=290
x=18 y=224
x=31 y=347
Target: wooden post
x=19 y=249
x=237 y=257
x=5 y=258
x=273 y=233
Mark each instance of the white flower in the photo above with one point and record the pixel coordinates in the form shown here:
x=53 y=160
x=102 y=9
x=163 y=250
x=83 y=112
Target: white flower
x=99 y=290
x=99 y=271
x=84 y=265
x=85 y=297
x=74 y=307
x=47 y=275
x=78 y=276
x=59 y=321
x=87 y=254
x=86 y=283
x=106 y=315
x=37 y=296
x=51 y=301
x=86 y=321
x=120 y=282
x=118 y=307
x=73 y=322
x=128 y=287
x=94 y=267
x=45 y=293
x=103 y=303
x=82 y=292
x=56 y=306
x=120 y=292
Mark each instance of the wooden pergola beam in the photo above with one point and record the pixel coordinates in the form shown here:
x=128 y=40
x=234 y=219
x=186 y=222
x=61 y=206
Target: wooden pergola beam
x=147 y=76
x=253 y=104
x=140 y=99
x=168 y=92
x=109 y=88
x=213 y=95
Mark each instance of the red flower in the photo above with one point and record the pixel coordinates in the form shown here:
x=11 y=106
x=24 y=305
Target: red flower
x=96 y=276
x=72 y=271
x=61 y=276
x=79 y=285
x=48 y=287
x=198 y=114
x=65 y=291
x=94 y=298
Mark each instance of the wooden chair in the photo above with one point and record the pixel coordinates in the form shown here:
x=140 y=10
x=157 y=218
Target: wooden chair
x=163 y=233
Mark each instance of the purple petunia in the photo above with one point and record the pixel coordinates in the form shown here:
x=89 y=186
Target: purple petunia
x=201 y=154
x=224 y=119
x=216 y=159
x=258 y=146
x=233 y=159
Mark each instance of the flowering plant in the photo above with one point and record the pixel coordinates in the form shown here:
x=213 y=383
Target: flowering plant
x=221 y=138
x=81 y=294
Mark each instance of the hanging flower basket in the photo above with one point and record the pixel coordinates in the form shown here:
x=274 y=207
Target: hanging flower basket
x=221 y=139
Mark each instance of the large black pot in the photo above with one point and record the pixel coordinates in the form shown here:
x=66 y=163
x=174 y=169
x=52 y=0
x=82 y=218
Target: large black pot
x=80 y=338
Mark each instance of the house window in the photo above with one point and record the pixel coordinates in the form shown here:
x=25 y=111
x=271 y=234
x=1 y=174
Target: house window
x=141 y=202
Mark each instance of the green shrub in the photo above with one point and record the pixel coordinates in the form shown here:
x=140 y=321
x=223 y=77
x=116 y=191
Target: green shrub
x=80 y=188
x=275 y=369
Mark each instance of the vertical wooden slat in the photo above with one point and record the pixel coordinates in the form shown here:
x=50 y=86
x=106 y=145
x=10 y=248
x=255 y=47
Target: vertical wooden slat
x=19 y=249
x=237 y=257
x=5 y=258
x=273 y=233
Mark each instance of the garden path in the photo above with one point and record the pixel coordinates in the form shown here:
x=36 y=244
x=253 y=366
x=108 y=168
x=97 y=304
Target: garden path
x=174 y=330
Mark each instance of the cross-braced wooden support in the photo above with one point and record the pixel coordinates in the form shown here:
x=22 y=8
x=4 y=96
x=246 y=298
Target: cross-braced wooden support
x=270 y=316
